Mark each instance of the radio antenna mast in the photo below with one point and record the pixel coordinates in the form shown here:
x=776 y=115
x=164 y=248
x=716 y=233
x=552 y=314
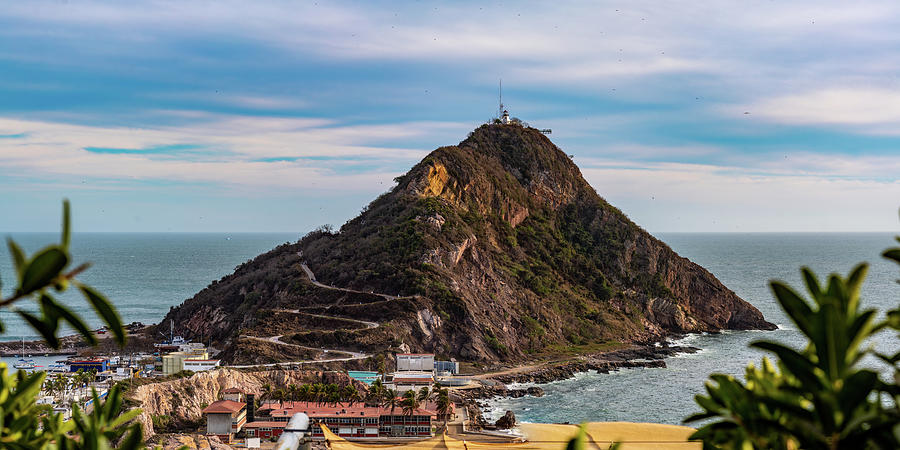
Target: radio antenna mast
x=500 y=110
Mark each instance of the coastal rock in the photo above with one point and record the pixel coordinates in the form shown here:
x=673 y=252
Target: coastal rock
x=535 y=391
x=506 y=422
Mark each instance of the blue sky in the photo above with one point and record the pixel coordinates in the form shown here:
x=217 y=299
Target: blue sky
x=219 y=116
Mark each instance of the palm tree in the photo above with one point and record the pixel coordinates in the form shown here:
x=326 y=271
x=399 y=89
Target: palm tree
x=281 y=395
x=351 y=394
x=49 y=386
x=266 y=393
x=305 y=392
x=375 y=395
x=410 y=402
x=332 y=393
x=390 y=400
x=423 y=395
x=444 y=406
x=318 y=392
x=334 y=398
x=292 y=393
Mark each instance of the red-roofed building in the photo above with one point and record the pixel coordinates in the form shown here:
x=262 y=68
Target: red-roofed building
x=224 y=418
x=357 y=421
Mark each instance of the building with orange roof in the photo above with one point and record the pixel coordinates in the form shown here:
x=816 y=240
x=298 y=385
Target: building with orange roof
x=224 y=418
x=350 y=421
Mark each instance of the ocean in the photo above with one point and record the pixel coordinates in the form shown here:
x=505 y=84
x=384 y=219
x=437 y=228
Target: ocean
x=745 y=263
x=145 y=274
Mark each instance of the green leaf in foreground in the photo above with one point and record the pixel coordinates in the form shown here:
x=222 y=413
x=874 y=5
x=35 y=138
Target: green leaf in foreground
x=46 y=265
x=18 y=256
x=66 y=225
x=106 y=310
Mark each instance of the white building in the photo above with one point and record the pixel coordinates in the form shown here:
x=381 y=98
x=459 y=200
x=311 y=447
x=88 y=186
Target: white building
x=421 y=362
x=200 y=365
x=410 y=381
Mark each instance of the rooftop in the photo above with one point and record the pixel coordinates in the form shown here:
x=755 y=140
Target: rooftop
x=314 y=410
x=412 y=380
x=268 y=424
x=224 y=407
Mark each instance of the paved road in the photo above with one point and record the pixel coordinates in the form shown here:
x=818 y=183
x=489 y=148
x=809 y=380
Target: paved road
x=369 y=325
x=312 y=278
x=276 y=340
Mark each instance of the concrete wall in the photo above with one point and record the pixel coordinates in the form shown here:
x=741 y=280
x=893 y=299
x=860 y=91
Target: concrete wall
x=415 y=362
x=218 y=423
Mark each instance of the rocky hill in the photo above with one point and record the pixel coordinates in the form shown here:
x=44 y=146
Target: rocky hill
x=492 y=249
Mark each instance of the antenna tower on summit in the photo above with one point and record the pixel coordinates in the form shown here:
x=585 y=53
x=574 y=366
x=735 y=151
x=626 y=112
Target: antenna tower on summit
x=502 y=113
x=500 y=110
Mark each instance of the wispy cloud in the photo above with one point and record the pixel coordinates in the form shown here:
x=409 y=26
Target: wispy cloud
x=672 y=197
x=341 y=96
x=866 y=109
x=245 y=151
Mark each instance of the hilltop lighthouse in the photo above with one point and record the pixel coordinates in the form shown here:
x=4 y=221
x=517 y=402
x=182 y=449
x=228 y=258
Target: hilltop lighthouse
x=505 y=117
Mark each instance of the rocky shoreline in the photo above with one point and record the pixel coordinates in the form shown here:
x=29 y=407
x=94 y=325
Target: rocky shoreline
x=649 y=356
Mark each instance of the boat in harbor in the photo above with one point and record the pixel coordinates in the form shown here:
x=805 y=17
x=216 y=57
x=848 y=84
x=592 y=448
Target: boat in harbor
x=25 y=364
x=57 y=368
x=173 y=343
x=22 y=363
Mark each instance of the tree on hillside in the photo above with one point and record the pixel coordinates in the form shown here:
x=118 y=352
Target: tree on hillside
x=817 y=397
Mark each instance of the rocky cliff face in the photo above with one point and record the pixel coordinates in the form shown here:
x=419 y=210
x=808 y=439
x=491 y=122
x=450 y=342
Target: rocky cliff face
x=496 y=248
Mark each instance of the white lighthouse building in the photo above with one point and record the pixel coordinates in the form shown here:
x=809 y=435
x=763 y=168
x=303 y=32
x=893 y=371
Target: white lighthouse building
x=505 y=117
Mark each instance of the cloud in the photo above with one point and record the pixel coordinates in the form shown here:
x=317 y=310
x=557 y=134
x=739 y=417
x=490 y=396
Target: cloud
x=344 y=95
x=679 y=197
x=258 y=152
x=869 y=110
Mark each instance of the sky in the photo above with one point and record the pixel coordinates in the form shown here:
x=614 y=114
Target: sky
x=230 y=116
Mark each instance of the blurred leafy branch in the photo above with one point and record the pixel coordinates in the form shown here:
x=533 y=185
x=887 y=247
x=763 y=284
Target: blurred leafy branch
x=820 y=397
x=46 y=271
x=23 y=423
